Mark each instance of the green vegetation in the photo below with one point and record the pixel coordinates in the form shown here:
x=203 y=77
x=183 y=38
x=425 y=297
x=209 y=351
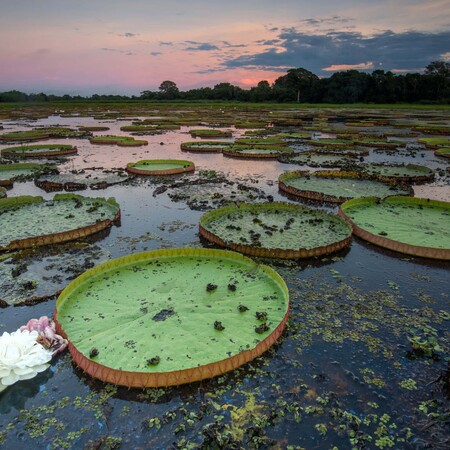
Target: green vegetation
x=332 y=143
x=41 y=150
x=210 y=133
x=256 y=151
x=24 y=136
x=121 y=141
x=160 y=166
x=23 y=171
x=314 y=159
x=250 y=142
x=411 y=221
x=76 y=180
x=160 y=311
x=294 y=136
x=205 y=146
x=435 y=142
x=30 y=217
x=337 y=186
x=405 y=172
x=443 y=151
x=277 y=227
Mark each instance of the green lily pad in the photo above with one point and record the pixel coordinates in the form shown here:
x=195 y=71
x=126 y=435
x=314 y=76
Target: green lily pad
x=160 y=167
x=34 y=275
x=205 y=146
x=173 y=316
x=121 y=141
x=294 y=136
x=277 y=230
x=210 y=133
x=337 y=186
x=30 y=221
x=76 y=180
x=332 y=143
x=21 y=172
x=255 y=142
x=435 y=142
x=443 y=152
x=32 y=135
x=257 y=152
x=39 y=151
x=315 y=159
x=414 y=226
x=401 y=172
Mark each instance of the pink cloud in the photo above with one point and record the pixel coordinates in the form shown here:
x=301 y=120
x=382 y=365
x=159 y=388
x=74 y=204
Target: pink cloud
x=338 y=67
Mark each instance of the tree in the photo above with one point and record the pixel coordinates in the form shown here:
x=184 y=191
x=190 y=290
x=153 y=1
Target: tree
x=297 y=84
x=349 y=86
x=262 y=92
x=438 y=68
x=225 y=91
x=168 y=90
x=438 y=74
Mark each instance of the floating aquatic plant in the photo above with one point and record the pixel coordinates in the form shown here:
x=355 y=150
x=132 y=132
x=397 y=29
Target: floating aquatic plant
x=47 y=335
x=26 y=352
x=21 y=357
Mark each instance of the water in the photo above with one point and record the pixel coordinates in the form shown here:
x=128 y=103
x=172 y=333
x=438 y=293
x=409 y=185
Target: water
x=342 y=374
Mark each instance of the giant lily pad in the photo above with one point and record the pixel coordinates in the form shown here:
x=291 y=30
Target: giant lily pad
x=160 y=167
x=277 y=230
x=31 y=221
x=204 y=133
x=18 y=136
x=121 y=141
x=76 y=180
x=332 y=143
x=444 y=152
x=434 y=142
x=39 y=151
x=20 y=172
x=400 y=172
x=415 y=226
x=168 y=317
x=211 y=190
x=205 y=146
x=256 y=152
x=337 y=186
x=256 y=142
x=314 y=159
x=34 y=275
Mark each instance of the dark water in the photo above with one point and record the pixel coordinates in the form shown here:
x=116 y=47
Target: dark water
x=343 y=374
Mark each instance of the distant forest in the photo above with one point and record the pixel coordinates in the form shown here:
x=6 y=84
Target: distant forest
x=298 y=85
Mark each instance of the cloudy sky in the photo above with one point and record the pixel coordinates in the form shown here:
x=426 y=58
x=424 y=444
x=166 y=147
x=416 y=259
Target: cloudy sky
x=125 y=47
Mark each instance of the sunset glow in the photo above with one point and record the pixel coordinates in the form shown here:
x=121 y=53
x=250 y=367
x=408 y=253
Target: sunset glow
x=128 y=47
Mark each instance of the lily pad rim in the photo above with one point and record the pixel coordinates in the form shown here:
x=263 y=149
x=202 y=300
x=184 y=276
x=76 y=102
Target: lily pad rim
x=190 y=167
x=318 y=196
x=59 y=237
x=391 y=244
x=159 y=379
x=265 y=252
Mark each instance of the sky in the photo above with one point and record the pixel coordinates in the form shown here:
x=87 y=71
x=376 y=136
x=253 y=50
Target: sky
x=125 y=47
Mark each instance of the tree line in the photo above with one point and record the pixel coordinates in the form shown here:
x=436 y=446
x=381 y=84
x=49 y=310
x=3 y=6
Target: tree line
x=297 y=85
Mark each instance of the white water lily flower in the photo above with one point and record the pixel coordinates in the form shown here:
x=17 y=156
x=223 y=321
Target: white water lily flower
x=21 y=357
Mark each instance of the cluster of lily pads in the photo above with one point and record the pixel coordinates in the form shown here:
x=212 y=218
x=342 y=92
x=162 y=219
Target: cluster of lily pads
x=243 y=305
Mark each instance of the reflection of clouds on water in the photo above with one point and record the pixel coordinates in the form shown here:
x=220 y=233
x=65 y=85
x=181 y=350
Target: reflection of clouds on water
x=433 y=192
x=16 y=396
